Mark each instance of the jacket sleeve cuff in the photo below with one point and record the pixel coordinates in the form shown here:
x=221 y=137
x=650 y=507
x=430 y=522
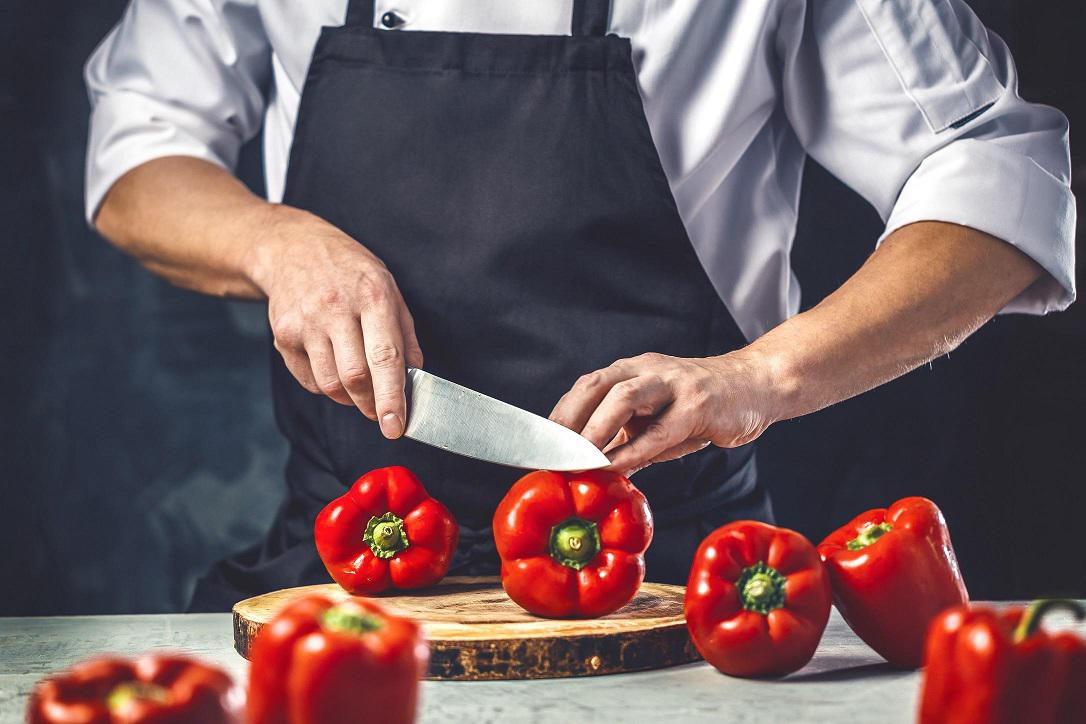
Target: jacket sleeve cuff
x=1003 y=193
x=127 y=130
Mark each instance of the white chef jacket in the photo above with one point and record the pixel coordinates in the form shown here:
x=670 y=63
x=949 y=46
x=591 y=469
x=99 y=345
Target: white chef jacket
x=912 y=103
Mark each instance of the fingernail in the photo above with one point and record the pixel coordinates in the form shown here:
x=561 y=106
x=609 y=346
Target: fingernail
x=391 y=426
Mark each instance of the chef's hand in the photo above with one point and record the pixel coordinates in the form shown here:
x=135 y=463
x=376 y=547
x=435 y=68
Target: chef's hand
x=653 y=407
x=338 y=317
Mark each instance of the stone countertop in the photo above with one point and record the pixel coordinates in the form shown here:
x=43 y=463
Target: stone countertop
x=846 y=680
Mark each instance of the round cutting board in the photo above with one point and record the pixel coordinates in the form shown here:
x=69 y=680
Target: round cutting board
x=477 y=633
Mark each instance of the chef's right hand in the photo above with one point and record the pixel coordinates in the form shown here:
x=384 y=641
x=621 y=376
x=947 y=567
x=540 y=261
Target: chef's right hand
x=338 y=317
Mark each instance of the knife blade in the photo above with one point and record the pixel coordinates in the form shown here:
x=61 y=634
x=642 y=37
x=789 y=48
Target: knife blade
x=452 y=417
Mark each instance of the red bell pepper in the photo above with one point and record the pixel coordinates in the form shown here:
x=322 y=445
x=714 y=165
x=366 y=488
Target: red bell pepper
x=386 y=531
x=350 y=662
x=572 y=545
x=757 y=600
x=892 y=571
x=164 y=689
x=999 y=667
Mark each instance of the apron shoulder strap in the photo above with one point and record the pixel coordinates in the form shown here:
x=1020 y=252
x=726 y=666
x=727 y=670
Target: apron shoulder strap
x=589 y=16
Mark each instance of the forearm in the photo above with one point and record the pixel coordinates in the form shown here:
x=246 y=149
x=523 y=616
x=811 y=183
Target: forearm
x=336 y=314
x=920 y=294
x=927 y=288
x=193 y=223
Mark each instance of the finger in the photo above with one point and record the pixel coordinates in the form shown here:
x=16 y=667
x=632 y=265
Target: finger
x=633 y=427
x=684 y=448
x=577 y=405
x=297 y=363
x=351 y=365
x=323 y=361
x=663 y=433
x=384 y=352
x=637 y=397
x=621 y=438
x=412 y=352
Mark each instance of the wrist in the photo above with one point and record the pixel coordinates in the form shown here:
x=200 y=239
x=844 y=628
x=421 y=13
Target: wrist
x=277 y=226
x=774 y=374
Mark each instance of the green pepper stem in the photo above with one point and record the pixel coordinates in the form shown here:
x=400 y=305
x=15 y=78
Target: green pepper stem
x=348 y=619
x=761 y=588
x=575 y=542
x=1031 y=619
x=385 y=535
x=128 y=691
x=868 y=535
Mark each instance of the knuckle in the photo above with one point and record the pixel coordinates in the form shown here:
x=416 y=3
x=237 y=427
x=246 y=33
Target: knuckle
x=687 y=388
x=287 y=331
x=677 y=376
x=652 y=381
x=626 y=391
x=590 y=381
x=699 y=391
x=356 y=378
x=386 y=401
x=304 y=379
x=330 y=386
x=376 y=287
x=329 y=298
x=385 y=355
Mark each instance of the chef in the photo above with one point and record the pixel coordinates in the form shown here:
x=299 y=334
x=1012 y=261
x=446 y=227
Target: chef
x=580 y=207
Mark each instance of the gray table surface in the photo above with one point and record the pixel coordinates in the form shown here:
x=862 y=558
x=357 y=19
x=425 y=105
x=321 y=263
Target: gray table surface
x=845 y=680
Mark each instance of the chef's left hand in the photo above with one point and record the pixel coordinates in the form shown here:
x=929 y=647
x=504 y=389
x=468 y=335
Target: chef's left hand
x=653 y=407
x=925 y=289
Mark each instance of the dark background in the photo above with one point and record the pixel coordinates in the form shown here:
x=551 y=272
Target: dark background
x=136 y=438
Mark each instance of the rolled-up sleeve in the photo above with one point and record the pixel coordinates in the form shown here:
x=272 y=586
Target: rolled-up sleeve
x=915 y=105
x=174 y=78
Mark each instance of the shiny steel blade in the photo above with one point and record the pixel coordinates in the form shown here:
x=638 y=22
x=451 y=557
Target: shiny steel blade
x=463 y=421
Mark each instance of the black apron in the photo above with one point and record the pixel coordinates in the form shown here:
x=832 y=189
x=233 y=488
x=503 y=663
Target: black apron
x=510 y=184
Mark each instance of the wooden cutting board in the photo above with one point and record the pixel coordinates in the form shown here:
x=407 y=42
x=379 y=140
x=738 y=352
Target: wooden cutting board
x=477 y=633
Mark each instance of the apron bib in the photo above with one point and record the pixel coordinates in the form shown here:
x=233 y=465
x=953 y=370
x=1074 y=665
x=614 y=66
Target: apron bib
x=512 y=187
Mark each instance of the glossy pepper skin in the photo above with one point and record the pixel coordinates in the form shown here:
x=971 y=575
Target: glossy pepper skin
x=892 y=571
x=386 y=532
x=319 y=661
x=572 y=545
x=757 y=600
x=158 y=689
x=998 y=667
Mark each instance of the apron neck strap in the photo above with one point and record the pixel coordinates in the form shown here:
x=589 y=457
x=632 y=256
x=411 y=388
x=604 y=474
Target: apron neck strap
x=589 y=16
x=360 y=12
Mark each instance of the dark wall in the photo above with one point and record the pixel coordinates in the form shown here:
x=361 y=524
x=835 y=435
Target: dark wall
x=138 y=444
x=136 y=439
x=993 y=432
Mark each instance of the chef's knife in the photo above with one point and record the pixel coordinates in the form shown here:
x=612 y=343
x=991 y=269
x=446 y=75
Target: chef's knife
x=463 y=421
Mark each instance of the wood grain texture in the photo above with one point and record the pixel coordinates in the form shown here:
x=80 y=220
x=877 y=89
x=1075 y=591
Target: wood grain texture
x=476 y=633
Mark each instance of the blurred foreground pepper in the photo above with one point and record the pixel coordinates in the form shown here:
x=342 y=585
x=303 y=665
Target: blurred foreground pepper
x=386 y=531
x=164 y=689
x=350 y=662
x=757 y=600
x=572 y=544
x=999 y=667
x=892 y=571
